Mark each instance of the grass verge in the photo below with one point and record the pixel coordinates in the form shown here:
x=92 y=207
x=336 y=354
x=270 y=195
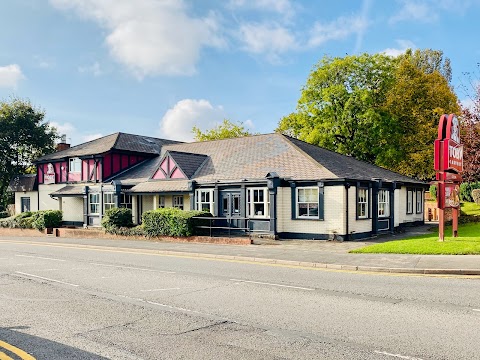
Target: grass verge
x=467 y=243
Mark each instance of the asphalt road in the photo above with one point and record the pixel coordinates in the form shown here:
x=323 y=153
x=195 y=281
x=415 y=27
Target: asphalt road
x=75 y=302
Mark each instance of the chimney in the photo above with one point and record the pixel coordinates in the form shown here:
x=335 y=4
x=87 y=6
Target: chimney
x=62 y=145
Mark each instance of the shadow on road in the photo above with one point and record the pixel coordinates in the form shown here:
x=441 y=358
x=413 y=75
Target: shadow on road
x=39 y=348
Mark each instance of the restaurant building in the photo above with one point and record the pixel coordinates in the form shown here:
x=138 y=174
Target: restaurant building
x=271 y=183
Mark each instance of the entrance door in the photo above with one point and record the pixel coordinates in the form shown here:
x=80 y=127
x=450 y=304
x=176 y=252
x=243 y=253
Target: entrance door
x=230 y=207
x=383 y=215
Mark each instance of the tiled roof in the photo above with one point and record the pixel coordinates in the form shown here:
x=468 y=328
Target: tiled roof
x=346 y=166
x=139 y=173
x=27 y=182
x=158 y=186
x=252 y=157
x=188 y=162
x=118 y=141
x=69 y=190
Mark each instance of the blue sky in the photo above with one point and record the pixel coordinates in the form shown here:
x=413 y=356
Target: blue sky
x=158 y=67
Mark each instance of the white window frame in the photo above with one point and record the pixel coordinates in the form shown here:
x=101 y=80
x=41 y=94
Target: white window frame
x=419 y=202
x=201 y=201
x=383 y=199
x=362 y=203
x=94 y=203
x=298 y=202
x=108 y=201
x=126 y=201
x=161 y=201
x=251 y=203
x=409 y=201
x=74 y=165
x=177 y=204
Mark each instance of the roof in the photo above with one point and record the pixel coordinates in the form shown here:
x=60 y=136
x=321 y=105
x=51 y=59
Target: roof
x=157 y=186
x=188 y=162
x=138 y=173
x=117 y=141
x=69 y=190
x=23 y=182
x=251 y=157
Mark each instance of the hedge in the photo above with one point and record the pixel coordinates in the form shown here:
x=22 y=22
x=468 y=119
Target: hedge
x=117 y=218
x=170 y=222
x=4 y=214
x=47 y=219
x=466 y=190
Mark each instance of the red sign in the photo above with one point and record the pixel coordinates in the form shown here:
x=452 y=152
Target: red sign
x=49 y=176
x=448 y=195
x=448 y=151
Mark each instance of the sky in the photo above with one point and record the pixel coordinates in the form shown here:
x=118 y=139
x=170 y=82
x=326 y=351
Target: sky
x=160 y=67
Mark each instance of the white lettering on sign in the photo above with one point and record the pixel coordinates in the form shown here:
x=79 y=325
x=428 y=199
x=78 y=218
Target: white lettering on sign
x=455 y=152
x=455 y=130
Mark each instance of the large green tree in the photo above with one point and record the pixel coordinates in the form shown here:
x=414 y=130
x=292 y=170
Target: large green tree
x=225 y=130
x=470 y=137
x=24 y=136
x=376 y=108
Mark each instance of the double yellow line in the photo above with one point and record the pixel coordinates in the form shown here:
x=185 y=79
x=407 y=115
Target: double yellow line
x=19 y=352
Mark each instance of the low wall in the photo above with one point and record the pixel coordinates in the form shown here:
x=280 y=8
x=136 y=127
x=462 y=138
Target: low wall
x=100 y=234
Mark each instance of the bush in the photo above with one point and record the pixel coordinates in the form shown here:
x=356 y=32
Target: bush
x=117 y=218
x=4 y=214
x=20 y=221
x=433 y=192
x=476 y=196
x=466 y=191
x=170 y=222
x=47 y=219
x=127 y=231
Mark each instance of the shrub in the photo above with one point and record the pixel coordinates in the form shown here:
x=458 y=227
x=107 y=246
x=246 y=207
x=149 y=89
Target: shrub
x=47 y=219
x=117 y=218
x=127 y=231
x=170 y=222
x=21 y=221
x=433 y=192
x=466 y=191
x=476 y=196
x=4 y=214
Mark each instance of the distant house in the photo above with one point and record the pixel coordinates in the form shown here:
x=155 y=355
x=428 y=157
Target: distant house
x=270 y=183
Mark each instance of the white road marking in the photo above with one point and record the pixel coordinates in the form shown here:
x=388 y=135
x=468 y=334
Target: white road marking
x=40 y=257
x=133 y=268
x=397 y=355
x=270 y=284
x=175 y=307
x=161 y=289
x=46 y=269
x=44 y=278
x=476 y=309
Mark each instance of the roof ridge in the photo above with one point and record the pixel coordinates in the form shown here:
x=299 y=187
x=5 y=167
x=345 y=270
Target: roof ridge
x=287 y=140
x=226 y=139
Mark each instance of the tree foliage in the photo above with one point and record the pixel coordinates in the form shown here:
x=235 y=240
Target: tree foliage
x=24 y=136
x=376 y=108
x=470 y=136
x=225 y=130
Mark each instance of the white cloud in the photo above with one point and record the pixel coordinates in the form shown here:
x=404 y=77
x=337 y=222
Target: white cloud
x=283 y=7
x=10 y=76
x=249 y=124
x=338 y=29
x=177 y=123
x=74 y=137
x=403 y=45
x=94 y=69
x=269 y=39
x=414 y=10
x=150 y=37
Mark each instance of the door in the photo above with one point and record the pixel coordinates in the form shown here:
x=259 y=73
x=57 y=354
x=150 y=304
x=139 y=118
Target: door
x=230 y=207
x=383 y=210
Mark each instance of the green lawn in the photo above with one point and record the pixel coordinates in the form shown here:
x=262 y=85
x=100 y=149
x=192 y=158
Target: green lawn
x=467 y=243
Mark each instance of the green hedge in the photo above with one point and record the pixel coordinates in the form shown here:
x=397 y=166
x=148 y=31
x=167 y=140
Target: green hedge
x=127 y=231
x=117 y=218
x=20 y=221
x=170 y=222
x=47 y=219
x=4 y=214
x=466 y=190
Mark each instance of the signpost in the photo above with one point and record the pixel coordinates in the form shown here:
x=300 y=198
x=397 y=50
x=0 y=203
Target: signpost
x=448 y=166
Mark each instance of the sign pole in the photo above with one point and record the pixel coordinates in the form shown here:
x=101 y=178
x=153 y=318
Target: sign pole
x=455 y=222
x=441 y=225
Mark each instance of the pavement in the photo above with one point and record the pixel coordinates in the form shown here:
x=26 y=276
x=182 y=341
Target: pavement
x=303 y=253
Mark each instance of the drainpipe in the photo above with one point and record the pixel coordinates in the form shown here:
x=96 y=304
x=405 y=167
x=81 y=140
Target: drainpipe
x=347 y=235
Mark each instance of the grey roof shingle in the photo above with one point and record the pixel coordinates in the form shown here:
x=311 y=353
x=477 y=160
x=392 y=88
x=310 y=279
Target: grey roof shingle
x=117 y=141
x=69 y=190
x=188 y=162
x=160 y=186
x=23 y=182
x=139 y=173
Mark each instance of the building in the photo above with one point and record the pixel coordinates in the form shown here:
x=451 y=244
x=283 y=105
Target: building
x=270 y=183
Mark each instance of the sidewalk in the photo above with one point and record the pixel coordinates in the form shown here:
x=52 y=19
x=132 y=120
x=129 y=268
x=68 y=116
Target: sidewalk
x=319 y=254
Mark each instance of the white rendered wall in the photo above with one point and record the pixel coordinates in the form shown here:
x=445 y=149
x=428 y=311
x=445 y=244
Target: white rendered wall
x=33 y=195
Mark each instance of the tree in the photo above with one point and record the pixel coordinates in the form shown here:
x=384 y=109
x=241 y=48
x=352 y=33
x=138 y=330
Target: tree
x=376 y=108
x=225 y=130
x=470 y=136
x=24 y=136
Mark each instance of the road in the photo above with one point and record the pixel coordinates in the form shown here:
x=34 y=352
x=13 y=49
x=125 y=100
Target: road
x=73 y=301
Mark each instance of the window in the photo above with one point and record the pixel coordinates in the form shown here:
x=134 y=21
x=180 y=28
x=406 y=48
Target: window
x=409 y=201
x=126 y=201
x=25 y=204
x=419 y=201
x=74 y=165
x=383 y=203
x=204 y=200
x=362 y=203
x=307 y=202
x=94 y=200
x=178 y=202
x=108 y=201
x=258 y=202
x=161 y=202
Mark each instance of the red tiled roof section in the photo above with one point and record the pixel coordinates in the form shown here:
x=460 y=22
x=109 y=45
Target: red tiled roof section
x=252 y=157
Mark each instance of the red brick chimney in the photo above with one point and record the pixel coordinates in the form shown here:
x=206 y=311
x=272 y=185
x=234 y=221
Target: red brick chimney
x=62 y=145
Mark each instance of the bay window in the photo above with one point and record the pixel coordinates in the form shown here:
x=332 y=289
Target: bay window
x=307 y=202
